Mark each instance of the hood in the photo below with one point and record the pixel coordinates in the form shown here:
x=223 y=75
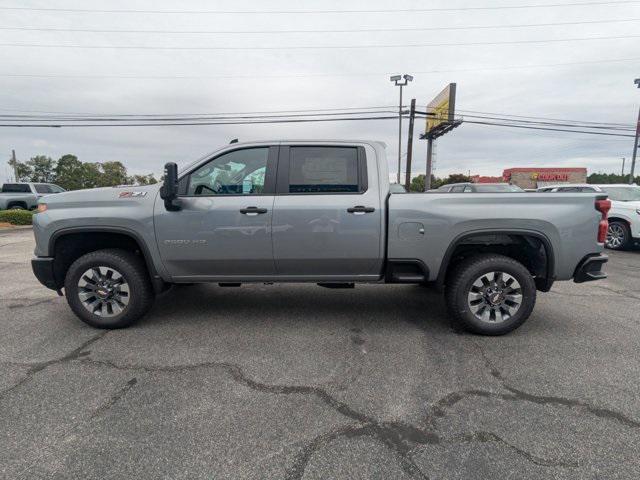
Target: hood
x=101 y=196
x=634 y=204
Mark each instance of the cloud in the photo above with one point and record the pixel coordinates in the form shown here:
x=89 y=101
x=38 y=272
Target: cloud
x=598 y=92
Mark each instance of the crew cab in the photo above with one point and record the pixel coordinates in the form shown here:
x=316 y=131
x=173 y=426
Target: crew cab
x=24 y=196
x=312 y=211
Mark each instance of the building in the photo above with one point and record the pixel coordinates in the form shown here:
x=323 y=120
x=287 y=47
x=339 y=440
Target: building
x=540 y=177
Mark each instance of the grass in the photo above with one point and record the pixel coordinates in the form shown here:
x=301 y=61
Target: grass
x=16 y=217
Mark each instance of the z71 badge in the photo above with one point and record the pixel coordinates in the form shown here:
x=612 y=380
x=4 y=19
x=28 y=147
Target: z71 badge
x=132 y=194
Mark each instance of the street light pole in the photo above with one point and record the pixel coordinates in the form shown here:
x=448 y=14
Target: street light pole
x=400 y=81
x=635 y=144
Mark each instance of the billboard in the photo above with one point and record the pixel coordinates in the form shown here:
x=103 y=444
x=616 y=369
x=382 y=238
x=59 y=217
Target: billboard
x=440 y=111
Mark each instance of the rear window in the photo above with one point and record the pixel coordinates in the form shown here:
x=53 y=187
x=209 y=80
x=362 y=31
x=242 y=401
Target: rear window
x=323 y=170
x=15 y=188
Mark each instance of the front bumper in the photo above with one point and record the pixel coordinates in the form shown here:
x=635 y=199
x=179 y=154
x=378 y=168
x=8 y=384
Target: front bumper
x=590 y=269
x=43 y=270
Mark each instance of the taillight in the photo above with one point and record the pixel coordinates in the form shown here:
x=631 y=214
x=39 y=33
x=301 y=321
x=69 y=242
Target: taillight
x=603 y=206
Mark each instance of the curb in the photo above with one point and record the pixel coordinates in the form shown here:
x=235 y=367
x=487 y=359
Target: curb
x=16 y=227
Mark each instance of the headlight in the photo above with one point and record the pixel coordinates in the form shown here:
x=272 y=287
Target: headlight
x=42 y=207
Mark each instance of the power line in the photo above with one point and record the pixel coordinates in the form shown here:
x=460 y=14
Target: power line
x=317 y=47
x=303 y=12
x=165 y=124
x=398 y=29
x=630 y=128
x=464 y=112
x=477 y=122
x=305 y=75
x=306 y=110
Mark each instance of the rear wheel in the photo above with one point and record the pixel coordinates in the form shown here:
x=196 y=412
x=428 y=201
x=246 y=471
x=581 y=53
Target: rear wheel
x=109 y=288
x=17 y=206
x=490 y=294
x=618 y=235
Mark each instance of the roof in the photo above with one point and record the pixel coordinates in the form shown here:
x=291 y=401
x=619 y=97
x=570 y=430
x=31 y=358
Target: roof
x=546 y=170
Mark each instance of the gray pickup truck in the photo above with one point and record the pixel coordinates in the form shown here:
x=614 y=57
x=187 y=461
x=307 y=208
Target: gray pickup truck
x=313 y=211
x=25 y=196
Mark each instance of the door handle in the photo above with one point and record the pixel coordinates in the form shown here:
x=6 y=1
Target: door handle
x=360 y=210
x=252 y=211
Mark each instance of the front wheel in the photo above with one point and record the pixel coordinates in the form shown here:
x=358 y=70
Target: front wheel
x=618 y=236
x=108 y=288
x=490 y=294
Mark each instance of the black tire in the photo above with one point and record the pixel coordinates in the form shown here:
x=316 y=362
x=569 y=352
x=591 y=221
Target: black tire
x=140 y=295
x=622 y=236
x=17 y=206
x=460 y=285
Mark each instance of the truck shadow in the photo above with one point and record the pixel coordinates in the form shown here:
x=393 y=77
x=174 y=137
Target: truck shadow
x=302 y=303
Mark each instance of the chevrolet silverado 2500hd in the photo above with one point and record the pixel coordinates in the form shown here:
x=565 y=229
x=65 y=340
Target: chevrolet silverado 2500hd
x=313 y=211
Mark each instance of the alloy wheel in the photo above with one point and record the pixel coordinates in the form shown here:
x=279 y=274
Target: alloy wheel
x=494 y=297
x=103 y=291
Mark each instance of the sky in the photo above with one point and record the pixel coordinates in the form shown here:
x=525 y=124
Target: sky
x=581 y=80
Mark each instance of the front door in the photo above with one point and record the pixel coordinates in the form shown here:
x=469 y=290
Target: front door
x=327 y=220
x=223 y=228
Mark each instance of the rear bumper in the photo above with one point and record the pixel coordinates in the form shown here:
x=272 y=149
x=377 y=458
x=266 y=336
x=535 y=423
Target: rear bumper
x=43 y=270
x=590 y=269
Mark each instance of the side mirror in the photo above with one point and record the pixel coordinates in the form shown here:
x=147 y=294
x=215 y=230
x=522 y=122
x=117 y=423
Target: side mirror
x=169 y=189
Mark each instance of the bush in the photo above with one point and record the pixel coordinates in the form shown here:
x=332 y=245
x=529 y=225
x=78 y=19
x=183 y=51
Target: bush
x=16 y=217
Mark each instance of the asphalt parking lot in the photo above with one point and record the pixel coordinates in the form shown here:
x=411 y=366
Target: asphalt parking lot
x=297 y=381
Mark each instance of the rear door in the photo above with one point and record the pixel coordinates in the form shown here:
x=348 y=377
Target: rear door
x=327 y=213
x=223 y=228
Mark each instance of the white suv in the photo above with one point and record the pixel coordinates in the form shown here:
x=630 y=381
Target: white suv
x=624 y=216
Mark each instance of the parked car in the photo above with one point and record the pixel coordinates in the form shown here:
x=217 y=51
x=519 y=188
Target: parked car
x=312 y=211
x=624 y=216
x=24 y=196
x=468 y=187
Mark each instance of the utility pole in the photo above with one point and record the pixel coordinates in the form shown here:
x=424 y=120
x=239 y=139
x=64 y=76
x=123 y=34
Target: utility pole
x=398 y=81
x=412 y=117
x=635 y=144
x=622 y=173
x=427 y=179
x=15 y=166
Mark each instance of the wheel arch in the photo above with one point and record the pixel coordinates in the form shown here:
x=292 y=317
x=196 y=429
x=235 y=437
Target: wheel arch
x=543 y=283
x=68 y=244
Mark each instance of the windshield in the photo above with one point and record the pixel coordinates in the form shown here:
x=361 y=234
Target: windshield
x=623 y=194
x=497 y=188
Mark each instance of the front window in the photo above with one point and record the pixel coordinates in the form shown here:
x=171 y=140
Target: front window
x=623 y=194
x=240 y=172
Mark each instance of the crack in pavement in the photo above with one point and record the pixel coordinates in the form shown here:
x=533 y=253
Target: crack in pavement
x=517 y=394
x=38 y=367
x=399 y=437
x=32 y=304
x=485 y=437
x=115 y=398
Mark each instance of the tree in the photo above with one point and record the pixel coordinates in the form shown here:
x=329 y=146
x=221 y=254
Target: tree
x=90 y=175
x=113 y=173
x=456 y=178
x=22 y=170
x=42 y=169
x=143 y=179
x=69 y=172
